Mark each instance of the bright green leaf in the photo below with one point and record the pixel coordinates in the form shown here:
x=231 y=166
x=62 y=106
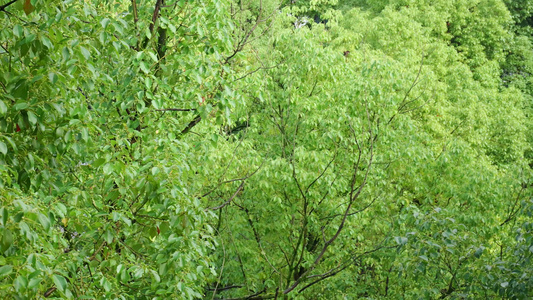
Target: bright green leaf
x=144 y=68
x=3 y=107
x=18 y=30
x=5 y=270
x=32 y=118
x=52 y=77
x=60 y=282
x=105 y=22
x=44 y=221
x=3 y=148
x=21 y=106
x=85 y=52
x=46 y=42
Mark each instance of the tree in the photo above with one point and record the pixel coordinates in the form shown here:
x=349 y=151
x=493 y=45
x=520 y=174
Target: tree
x=99 y=102
x=265 y=149
x=436 y=147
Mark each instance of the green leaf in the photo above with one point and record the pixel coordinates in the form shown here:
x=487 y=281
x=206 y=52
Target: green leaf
x=44 y=221
x=155 y=170
x=156 y=276
x=7 y=240
x=21 y=283
x=144 y=68
x=60 y=282
x=85 y=52
x=479 y=252
x=105 y=22
x=11 y=142
x=3 y=148
x=29 y=38
x=52 y=77
x=3 y=107
x=18 y=30
x=106 y=284
x=5 y=216
x=46 y=42
x=98 y=162
x=32 y=118
x=61 y=209
x=153 y=56
x=108 y=236
x=37 y=78
x=65 y=53
x=5 y=270
x=108 y=168
x=21 y=106
x=172 y=27
x=85 y=134
x=34 y=282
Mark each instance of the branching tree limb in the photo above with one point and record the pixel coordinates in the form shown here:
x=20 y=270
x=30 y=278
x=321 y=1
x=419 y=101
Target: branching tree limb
x=3 y=7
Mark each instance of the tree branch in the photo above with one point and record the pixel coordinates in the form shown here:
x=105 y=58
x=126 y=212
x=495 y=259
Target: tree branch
x=176 y=109
x=193 y=123
x=3 y=7
x=229 y=200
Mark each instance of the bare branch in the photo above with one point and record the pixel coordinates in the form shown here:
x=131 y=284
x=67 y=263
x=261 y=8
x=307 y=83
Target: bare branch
x=176 y=109
x=221 y=271
x=354 y=194
x=338 y=269
x=322 y=173
x=155 y=16
x=260 y=68
x=514 y=211
x=191 y=124
x=135 y=15
x=415 y=82
x=233 y=180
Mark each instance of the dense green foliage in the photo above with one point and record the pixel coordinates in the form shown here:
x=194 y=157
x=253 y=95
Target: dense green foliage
x=322 y=149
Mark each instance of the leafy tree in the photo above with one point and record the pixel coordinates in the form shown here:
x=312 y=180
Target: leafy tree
x=443 y=153
x=99 y=100
x=265 y=149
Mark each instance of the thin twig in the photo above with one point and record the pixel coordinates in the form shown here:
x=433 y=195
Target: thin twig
x=229 y=200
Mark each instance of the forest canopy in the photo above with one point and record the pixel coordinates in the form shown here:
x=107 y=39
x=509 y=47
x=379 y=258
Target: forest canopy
x=266 y=149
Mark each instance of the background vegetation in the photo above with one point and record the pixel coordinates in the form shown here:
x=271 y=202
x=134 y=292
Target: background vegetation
x=266 y=149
